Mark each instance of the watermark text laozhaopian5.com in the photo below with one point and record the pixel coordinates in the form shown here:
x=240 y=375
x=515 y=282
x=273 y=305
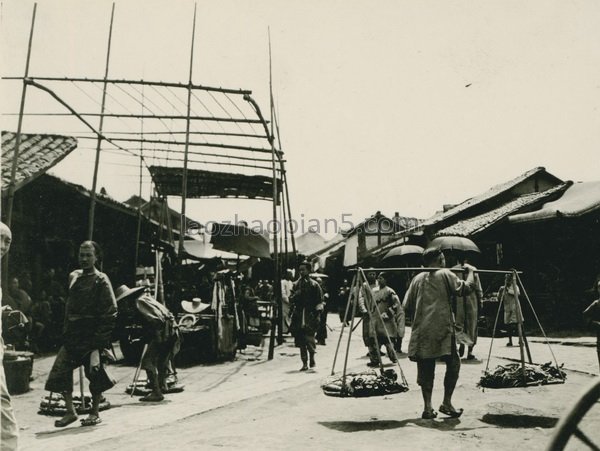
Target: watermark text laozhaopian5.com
x=258 y=226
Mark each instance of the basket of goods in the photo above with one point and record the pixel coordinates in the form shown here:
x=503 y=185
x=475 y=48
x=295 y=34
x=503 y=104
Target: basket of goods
x=363 y=384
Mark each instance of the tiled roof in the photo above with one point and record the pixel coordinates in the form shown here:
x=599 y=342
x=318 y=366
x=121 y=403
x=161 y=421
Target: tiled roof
x=471 y=226
x=37 y=154
x=489 y=194
x=579 y=199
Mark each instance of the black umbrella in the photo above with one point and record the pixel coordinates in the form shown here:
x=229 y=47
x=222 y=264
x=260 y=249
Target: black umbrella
x=405 y=249
x=454 y=243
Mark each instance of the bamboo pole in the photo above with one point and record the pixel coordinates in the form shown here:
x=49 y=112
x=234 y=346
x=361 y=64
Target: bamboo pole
x=539 y=324
x=155 y=116
x=139 y=82
x=13 y=169
x=187 y=141
x=139 y=222
x=171 y=133
x=277 y=275
x=519 y=327
x=494 y=329
x=354 y=290
x=359 y=282
x=196 y=144
x=429 y=269
x=285 y=187
x=375 y=307
x=100 y=126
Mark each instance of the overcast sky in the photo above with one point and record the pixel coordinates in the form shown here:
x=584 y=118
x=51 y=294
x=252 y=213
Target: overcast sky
x=388 y=105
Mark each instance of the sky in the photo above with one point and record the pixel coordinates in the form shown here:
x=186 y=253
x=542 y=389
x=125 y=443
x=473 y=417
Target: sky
x=396 y=106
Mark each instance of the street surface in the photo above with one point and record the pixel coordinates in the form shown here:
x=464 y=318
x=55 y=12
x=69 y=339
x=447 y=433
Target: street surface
x=256 y=404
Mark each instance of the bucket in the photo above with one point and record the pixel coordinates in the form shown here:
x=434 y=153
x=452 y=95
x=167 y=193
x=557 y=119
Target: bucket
x=18 y=372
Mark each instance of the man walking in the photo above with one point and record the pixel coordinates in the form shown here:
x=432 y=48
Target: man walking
x=429 y=300
x=307 y=299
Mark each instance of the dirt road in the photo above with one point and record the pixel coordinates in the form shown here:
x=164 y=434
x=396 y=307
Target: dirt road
x=253 y=403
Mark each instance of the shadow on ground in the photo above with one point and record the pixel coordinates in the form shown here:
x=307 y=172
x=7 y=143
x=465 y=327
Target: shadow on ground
x=443 y=424
x=509 y=420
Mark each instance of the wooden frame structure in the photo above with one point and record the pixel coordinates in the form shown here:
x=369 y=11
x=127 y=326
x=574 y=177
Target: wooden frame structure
x=184 y=129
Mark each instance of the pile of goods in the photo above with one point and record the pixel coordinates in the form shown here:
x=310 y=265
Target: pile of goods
x=54 y=405
x=511 y=375
x=361 y=385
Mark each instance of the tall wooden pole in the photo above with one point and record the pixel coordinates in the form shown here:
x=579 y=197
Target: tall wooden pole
x=187 y=145
x=519 y=326
x=139 y=210
x=286 y=191
x=277 y=275
x=13 y=170
x=100 y=138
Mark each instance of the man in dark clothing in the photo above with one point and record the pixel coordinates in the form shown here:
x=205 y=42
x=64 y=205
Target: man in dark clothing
x=307 y=301
x=89 y=321
x=161 y=336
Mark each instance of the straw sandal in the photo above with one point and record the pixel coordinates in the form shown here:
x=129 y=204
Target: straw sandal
x=91 y=421
x=451 y=413
x=429 y=414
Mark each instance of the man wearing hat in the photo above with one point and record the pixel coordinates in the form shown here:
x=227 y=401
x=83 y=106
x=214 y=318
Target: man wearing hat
x=307 y=299
x=161 y=336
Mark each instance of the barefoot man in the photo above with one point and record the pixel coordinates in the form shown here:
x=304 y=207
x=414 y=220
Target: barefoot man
x=428 y=300
x=90 y=317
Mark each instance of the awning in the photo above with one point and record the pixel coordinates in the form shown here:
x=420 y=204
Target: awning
x=210 y=184
x=580 y=199
x=37 y=154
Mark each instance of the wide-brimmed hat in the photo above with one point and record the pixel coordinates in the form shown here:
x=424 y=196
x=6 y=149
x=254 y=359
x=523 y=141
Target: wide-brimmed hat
x=124 y=292
x=194 y=306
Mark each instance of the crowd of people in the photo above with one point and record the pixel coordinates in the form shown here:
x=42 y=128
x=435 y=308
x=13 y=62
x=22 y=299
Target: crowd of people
x=34 y=317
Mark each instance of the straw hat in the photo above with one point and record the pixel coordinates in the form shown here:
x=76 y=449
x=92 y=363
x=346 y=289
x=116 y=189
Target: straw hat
x=125 y=292
x=194 y=306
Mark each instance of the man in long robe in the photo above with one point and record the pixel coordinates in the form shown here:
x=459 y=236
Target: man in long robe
x=90 y=318
x=385 y=318
x=307 y=299
x=467 y=313
x=429 y=300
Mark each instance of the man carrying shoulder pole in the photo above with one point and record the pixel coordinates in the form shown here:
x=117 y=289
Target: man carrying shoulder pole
x=428 y=300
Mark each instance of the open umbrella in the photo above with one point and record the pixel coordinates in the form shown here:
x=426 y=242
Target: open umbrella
x=405 y=249
x=454 y=243
x=240 y=240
